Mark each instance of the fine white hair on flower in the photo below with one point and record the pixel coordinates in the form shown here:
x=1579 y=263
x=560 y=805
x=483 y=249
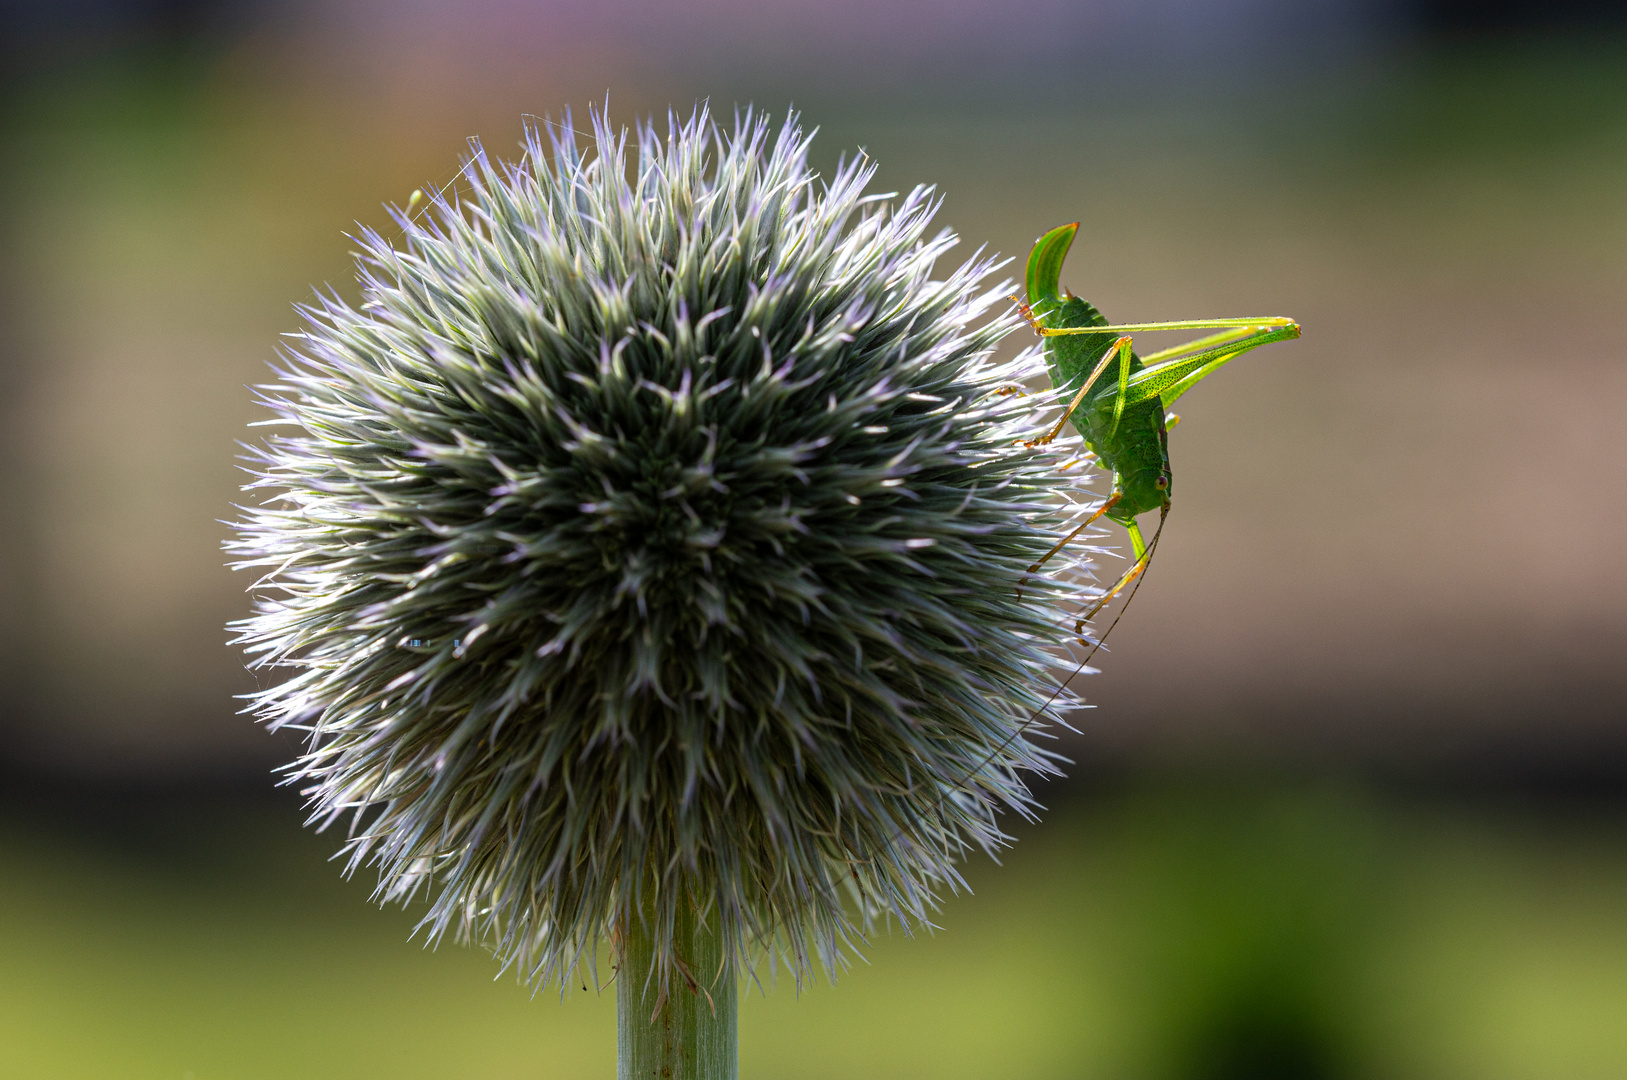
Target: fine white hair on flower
x=651 y=532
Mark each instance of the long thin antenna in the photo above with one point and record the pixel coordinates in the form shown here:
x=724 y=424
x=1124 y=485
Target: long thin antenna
x=1063 y=685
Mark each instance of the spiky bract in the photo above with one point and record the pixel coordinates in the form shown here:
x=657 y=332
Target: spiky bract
x=651 y=532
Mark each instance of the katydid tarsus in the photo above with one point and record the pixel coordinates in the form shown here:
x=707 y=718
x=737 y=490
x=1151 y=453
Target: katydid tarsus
x=1118 y=401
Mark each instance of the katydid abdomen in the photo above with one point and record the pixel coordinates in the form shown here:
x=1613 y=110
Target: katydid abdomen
x=1135 y=449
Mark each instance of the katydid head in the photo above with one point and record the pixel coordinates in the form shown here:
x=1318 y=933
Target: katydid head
x=1144 y=485
x=1131 y=441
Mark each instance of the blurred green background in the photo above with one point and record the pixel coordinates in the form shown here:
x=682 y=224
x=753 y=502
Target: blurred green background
x=1353 y=798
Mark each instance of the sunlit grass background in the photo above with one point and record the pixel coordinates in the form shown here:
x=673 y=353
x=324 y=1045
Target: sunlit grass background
x=1172 y=928
x=1350 y=803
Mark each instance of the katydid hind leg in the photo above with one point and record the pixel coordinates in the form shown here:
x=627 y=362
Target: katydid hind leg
x=1208 y=342
x=1120 y=350
x=1187 y=367
x=1125 y=355
x=1170 y=379
x=1249 y=322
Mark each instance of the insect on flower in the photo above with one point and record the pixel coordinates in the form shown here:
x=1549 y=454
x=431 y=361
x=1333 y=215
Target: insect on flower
x=1118 y=401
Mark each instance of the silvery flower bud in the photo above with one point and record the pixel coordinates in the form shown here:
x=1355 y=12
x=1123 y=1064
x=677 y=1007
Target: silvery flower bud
x=651 y=533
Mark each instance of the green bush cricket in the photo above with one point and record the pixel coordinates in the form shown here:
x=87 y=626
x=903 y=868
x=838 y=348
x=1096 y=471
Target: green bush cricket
x=1123 y=419
x=1121 y=414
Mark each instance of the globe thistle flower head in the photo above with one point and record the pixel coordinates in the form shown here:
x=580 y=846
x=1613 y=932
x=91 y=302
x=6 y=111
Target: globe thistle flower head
x=651 y=534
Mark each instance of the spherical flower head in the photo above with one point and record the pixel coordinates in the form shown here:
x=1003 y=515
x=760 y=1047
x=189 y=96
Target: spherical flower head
x=651 y=533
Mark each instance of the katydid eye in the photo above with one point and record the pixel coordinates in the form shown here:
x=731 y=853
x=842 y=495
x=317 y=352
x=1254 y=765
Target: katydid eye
x=1162 y=483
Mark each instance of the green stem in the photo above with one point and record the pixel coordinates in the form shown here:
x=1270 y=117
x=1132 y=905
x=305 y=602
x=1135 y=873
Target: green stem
x=692 y=1034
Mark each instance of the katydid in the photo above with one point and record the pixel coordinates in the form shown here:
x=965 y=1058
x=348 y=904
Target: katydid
x=1117 y=400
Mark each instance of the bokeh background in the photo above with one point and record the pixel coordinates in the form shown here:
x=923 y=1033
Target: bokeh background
x=1351 y=799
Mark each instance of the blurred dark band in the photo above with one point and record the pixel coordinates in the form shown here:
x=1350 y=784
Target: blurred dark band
x=1476 y=16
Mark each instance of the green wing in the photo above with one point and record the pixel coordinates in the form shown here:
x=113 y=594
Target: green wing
x=1172 y=378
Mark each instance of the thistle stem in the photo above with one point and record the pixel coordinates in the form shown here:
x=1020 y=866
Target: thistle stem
x=692 y=1034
